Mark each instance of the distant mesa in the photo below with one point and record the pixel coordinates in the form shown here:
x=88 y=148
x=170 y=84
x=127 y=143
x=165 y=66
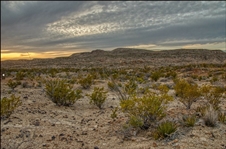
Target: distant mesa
x=131 y=57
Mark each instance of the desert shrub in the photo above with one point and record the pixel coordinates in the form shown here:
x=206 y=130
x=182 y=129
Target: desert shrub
x=213 y=95
x=189 y=120
x=164 y=130
x=144 y=90
x=222 y=117
x=61 y=93
x=135 y=122
x=210 y=117
x=8 y=105
x=156 y=75
x=201 y=110
x=119 y=90
x=20 y=75
x=187 y=93
x=114 y=113
x=53 y=72
x=149 y=108
x=214 y=79
x=112 y=86
x=130 y=87
x=13 y=84
x=98 y=97
x=86 y=82
x=25 y=84
x=223 y=77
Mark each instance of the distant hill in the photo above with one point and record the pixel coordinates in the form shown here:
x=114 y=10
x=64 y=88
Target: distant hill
x=125 y=57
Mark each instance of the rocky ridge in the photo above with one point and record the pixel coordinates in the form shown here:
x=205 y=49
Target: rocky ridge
x=124 y=57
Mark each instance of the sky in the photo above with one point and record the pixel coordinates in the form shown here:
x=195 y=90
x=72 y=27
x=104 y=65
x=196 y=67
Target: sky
x=48 y=29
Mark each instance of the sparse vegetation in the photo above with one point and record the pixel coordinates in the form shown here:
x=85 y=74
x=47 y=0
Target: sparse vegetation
x=98 y=97
x=13 y=84
x=86 y=82
x=8 y=105
x=148 y=108
x=62 y=93
x=210 y=118
x=187 y=93
x=189 y=120
x=165 y=129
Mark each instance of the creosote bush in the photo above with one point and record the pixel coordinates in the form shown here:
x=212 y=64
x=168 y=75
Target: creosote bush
x=86 y=82
x=148 y=109
x=98 y=97
x=187 y=93
x=112 y=86
x=8 y=105
x=213 y=95
x=61 y=93
x=13 y=84
x=156 y=75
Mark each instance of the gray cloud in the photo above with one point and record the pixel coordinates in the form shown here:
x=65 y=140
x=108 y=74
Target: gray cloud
x=79 y=25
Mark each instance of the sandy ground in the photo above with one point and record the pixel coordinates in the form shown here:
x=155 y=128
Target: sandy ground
x=39 y=123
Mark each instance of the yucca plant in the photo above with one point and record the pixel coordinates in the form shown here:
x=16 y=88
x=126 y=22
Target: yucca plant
x=189 y=120
x=165 y=129
x=8 y=105
x=210 y=117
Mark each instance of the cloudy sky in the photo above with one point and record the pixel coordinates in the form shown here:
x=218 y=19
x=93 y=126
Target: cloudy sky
x=51 y=29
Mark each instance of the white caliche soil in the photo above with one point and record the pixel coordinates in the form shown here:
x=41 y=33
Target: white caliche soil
x=39 y=123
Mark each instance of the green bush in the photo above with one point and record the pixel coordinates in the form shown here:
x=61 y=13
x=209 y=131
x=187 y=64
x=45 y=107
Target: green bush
x=112 y=86
x=156 y=75
x=20 y=75
x=213 y=95
x=61 y=93
x=130 y=87
x=149 y=108
x=136 y=122
x=165 y=129
x=13 y=84
x=98 y=97
x=86 y=82
x=8 y=105
x=188 y=93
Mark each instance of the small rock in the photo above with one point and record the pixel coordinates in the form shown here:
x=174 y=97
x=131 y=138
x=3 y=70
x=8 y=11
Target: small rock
x=96 y=147
x=203 y=139
x=84 y=133
x=155 y=144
